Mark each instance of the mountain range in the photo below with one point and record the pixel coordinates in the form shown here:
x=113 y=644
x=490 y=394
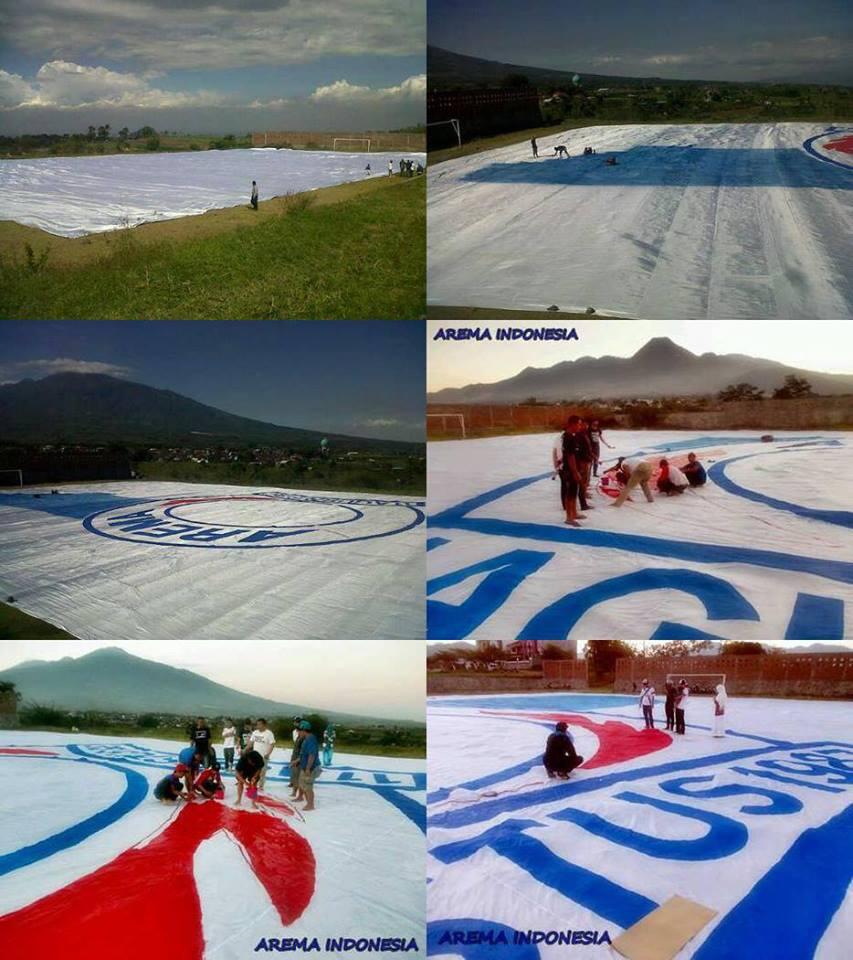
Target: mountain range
x=448 y=70
x=110 y=679
x=659 y=368
x=96 y=408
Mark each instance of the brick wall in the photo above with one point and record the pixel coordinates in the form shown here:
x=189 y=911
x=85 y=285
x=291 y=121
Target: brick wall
x=565 y=673
x=787 y=674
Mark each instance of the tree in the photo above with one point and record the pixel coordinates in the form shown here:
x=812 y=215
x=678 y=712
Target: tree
x=124 y=133
x=152 y=143
x=90 y=135
x=735 y=648
x=552 y=651
x=793 y=388
x=740 y=391
x=680 y=648
x=515 y=81
x=602 y=655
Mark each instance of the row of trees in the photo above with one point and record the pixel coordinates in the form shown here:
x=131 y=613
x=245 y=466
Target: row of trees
x=793 y=388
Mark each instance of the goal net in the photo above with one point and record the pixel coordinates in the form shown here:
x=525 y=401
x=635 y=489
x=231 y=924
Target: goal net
x=11 y=478
x=446 y=424
x=364 y=141
x=457 y=129
x=698 y=682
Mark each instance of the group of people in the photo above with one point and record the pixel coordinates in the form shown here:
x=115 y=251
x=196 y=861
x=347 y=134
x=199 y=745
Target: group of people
x=576 y=456
x=198 y=773
x=408 y=168
x=562 y=151
x=675 y=706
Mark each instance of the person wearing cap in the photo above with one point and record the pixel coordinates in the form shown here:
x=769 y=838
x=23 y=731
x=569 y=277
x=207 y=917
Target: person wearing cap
x=247 y=772
x=560 y=756
x=170 y=788
x=263 y=742
x=647 y=702
x=309 y=761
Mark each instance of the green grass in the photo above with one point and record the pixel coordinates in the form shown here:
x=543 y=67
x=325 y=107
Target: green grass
x=17 y=625
x=363 y=257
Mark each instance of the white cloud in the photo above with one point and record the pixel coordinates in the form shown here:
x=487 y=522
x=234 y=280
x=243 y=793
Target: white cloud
x=222 y=33
x=46 y=367
x=63 y=85
x=410 y=88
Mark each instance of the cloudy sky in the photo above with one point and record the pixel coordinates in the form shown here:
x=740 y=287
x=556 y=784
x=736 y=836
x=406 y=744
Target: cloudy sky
x=824 y=345
x=364 y=378
x=377 y=678
x=211 y=66
x=747 y=40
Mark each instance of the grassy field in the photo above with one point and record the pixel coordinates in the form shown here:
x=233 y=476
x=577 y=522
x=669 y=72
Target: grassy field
x=347 y=252
x=17 y=625
x=360 y=475
x=29 y=148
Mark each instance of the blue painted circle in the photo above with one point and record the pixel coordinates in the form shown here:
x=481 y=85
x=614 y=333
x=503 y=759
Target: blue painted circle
x=807 y=146
x=357 y=514
x=88 y=524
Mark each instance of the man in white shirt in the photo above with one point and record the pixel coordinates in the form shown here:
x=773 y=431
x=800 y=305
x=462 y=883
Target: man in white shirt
x=229 y=739
x=263 y=742
x=647 y=702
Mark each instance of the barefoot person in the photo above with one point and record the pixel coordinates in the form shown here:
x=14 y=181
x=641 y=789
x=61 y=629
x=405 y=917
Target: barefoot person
x=596 y=438
x=681 y=698
x=309 y=761
x=638 y=473
x=560 y=756
x=247 y=772
x=263 y=742
x=171 y=788
x=565 y=463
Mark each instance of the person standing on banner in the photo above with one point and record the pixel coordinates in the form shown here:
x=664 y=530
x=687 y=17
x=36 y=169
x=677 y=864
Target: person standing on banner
x=669 y=705
x=565 y=463
x=262 y=743
x=309 y=762
x=680 y=706
x=647 y=702
x=596 y=438
x=229 y=741
x=534 y=147
x=254 y=200
x=720 y=702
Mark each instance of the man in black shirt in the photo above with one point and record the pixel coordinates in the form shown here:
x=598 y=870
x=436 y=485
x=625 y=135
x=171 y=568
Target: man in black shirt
x=560 y=756
x=584 y=458
x=201 y=740
x=566 y=465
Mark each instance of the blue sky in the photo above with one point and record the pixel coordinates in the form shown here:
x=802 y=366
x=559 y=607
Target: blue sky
x=750 y=40
x=358 y=377
x=200 y=66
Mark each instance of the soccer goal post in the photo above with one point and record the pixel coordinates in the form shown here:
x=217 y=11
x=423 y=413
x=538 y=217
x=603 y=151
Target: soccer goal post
x=361 y=140
x=698 y=682
x=11 y=478
x=457 y=129
x=458 y=418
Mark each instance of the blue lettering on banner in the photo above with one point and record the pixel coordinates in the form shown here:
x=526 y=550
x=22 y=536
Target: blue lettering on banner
x=813 y=617
x=158 y=522
x=801 y=899
x=496 y=940
x=506 y=572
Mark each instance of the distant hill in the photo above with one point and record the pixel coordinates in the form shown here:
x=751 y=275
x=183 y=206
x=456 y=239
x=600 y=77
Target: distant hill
x=659 y=368
x=447 y=70
x=95 y=408
x=112 y=680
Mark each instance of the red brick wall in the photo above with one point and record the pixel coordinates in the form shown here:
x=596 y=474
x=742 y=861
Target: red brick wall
x=566 y=673
x=787 y=674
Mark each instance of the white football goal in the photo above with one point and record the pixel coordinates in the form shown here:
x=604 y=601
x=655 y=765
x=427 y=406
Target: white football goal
x=361 y=140
x=457 y=419
x=11 y=478
x=457 y=129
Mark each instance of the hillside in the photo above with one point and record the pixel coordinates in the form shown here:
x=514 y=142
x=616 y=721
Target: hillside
x=95 y=408
x=111 y=679
x=659 y=368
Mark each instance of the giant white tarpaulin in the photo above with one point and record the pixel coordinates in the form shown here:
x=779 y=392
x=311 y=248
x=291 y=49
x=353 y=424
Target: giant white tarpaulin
x=73 y=196
x=695 y=221
x=92 y=865
x=756 y=826
x=762 y=552
x=145 y=560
